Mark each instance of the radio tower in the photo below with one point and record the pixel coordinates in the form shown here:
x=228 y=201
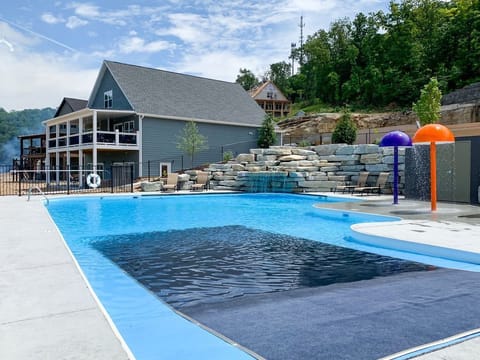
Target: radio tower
x=301 y=25
x=293 y=47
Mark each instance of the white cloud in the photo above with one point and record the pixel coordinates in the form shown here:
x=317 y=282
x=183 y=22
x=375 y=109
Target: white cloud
x=39 y=80
x=114 y=17
x=15 y=38
x=86 y=10
x=74 y=22
x=190 y=28
x=221 y=65
x=139 y=45
x=51 y=19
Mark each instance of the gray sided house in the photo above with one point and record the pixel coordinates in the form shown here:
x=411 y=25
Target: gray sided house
x=135 y=114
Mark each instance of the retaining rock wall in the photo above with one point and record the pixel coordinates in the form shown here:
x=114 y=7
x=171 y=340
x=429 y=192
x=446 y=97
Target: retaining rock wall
x=317 y=168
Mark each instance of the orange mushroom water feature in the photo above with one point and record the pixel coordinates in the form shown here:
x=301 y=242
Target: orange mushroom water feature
x=433 y=134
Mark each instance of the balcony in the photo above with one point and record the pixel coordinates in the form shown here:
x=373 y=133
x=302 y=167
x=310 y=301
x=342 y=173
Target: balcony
x=104 y=139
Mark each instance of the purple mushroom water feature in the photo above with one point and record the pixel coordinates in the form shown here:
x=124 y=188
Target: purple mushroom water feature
x=396 y=139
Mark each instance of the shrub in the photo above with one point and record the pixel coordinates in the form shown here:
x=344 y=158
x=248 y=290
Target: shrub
x=345 y=131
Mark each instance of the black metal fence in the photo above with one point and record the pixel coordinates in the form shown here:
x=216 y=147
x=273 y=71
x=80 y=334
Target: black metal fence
x=17 y=181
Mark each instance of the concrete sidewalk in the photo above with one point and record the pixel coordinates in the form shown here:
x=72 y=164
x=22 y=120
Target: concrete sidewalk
x=47 y=310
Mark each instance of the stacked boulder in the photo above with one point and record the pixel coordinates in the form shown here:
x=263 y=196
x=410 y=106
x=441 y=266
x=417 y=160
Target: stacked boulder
x=317 y=168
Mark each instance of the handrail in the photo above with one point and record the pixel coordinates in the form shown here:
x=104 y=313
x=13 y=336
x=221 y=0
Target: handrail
x=39 y=190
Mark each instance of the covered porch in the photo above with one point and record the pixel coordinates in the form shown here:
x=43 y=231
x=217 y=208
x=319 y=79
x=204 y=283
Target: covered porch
x=79 y=141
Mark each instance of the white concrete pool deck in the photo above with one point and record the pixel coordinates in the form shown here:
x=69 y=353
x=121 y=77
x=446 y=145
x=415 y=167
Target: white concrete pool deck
x=48 y=311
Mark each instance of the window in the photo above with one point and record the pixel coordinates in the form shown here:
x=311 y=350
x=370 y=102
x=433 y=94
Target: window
x=128 y=126
x=271 y=93
x=108 y=99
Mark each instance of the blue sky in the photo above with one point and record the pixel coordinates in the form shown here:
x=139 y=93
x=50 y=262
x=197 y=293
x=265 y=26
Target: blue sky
x=52 y=49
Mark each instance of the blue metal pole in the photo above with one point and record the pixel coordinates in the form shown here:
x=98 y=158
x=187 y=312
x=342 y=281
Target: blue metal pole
x=395 y=175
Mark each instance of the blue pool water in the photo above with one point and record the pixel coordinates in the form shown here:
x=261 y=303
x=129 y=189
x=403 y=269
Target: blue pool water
x=113 y=238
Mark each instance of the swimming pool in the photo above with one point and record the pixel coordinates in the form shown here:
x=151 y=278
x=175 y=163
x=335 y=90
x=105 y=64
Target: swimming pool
x=148 y=325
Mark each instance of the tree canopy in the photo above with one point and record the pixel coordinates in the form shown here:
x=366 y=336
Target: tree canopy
x=384 y=58
x=15 y=123
x=247 y=79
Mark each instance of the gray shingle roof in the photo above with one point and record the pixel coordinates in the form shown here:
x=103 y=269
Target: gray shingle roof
x=164 y=93
x=71 y=105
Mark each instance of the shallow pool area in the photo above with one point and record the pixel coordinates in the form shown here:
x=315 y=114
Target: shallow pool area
x=94 y=227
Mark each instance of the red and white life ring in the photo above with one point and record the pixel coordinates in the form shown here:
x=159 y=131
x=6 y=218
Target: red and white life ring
x=93 y=180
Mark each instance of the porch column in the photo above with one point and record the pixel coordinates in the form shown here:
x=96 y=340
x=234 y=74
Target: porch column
x=80 y=167
x=80 y=131
x=68 y=147
x=57 y=167
x=94 y=150
x=57 y=154
x=47 y=153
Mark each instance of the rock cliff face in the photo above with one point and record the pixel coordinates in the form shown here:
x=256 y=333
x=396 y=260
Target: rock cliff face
x=466 y=95
x=324 y=123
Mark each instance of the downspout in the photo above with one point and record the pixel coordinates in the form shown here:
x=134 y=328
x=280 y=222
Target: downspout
x=140 y=145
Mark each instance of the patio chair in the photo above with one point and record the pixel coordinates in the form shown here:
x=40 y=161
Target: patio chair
x=362 y=180
x=381 y=182
x=172 y=182
x=201 y=184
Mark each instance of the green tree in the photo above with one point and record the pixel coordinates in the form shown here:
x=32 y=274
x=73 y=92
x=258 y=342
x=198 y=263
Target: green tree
x=247 y=79
x=266 y=134
x=15 y=123
x=190 y=141
x=279 y=74
x=345 y=131
x=427 y=107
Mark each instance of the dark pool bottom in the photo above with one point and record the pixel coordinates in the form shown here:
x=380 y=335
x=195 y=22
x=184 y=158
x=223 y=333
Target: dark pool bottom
x=210 y=265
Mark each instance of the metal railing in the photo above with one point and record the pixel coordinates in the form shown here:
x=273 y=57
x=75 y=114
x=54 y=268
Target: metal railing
x=116 y=179
x=113 y=138
x=30 y=190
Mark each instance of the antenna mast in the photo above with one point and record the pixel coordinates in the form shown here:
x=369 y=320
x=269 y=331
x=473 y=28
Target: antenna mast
x=301 y=25
x=293 y=47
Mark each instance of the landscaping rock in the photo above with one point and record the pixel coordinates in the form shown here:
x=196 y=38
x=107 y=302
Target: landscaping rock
x=151 y=186
x=245 y=158
x=292 y=158
x=303 y=152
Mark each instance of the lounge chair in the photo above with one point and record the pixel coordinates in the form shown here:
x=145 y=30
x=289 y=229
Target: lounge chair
x=201 y=184
x=172 y=182
x=362 y=180
x=381 y=182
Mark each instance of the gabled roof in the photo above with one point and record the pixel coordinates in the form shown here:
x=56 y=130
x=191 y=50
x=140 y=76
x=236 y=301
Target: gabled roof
x=260 y=92
x=69 y=105
x=168 y=94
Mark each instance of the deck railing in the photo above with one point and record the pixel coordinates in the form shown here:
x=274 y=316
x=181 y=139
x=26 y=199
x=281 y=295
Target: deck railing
x=113 y=138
